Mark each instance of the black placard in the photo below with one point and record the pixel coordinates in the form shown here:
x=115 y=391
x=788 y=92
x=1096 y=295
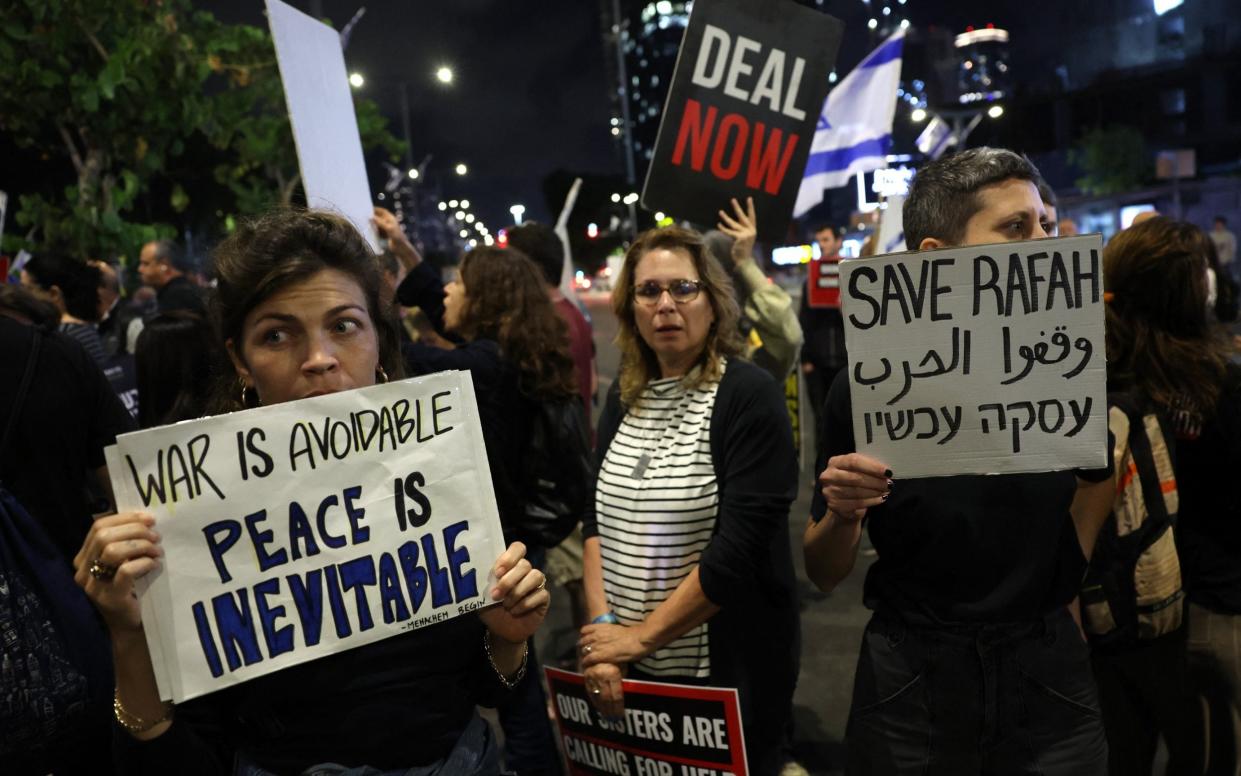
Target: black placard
x=750 y=82
x=667 y=730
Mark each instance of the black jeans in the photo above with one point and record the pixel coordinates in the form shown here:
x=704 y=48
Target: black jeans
x=993 y=699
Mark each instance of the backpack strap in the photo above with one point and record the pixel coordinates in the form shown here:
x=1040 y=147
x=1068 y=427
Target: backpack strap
x=22 y=390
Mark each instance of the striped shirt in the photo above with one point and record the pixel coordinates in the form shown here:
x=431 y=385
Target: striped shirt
x=656 y=507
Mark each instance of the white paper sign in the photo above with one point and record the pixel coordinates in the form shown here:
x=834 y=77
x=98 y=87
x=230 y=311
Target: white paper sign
x=295 y=531
x=325 y=128
x=980 y=359
x=891 y=236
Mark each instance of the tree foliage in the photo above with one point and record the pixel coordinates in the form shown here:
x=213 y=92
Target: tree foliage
x=133 y=95
x=1112 y=160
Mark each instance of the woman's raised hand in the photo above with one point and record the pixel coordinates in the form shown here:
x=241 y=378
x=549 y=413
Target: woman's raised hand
x=119 y=550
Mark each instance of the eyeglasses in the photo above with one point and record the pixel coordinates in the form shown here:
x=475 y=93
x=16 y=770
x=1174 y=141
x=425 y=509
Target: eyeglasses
x=681 y=291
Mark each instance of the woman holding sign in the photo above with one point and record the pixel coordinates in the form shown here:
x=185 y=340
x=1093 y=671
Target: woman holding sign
x=688 y=573
x=298 y=309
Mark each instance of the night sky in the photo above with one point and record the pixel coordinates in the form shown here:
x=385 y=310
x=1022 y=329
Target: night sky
x=529 y=95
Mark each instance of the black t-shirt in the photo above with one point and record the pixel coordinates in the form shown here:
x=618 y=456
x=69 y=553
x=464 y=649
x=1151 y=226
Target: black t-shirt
x=965 y=549
x=69 y=416
x=1208 y=459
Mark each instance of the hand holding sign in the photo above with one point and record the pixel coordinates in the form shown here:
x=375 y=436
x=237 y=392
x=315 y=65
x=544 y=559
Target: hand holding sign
x=521 y=590
x=854 y=483
x=119 y=550
x=605 y=688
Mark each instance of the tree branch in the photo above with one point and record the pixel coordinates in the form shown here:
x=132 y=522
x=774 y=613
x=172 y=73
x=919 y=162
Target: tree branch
x=103 y=52
x=73 y=149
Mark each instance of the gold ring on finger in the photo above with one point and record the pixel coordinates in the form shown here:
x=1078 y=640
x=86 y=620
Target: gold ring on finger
x=101 y=571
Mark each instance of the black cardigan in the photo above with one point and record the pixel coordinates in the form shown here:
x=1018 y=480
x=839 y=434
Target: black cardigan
x=747 y=567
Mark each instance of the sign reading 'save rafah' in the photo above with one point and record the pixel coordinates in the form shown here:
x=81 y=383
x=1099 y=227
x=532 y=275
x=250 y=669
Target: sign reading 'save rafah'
x=979 y=360
x=748 y=87
x=302 y=529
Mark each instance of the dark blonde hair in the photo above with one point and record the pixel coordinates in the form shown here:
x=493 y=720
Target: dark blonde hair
x=506 y=301
x=1160 y=338
x=639 y=364
x=268 y=254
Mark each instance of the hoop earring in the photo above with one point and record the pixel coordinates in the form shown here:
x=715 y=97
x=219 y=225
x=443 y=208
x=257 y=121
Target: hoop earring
x=243 y=397
x=380 y=373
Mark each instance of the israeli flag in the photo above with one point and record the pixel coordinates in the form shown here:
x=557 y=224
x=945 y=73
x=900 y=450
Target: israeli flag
x=855 y=129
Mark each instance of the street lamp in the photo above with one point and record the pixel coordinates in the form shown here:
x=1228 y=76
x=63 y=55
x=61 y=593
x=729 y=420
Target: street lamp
x=918 y=115
x=461 y=169
x=413 y=173
x=356 y=80
x=995 y=111
x=444 y=75
x=518 y=211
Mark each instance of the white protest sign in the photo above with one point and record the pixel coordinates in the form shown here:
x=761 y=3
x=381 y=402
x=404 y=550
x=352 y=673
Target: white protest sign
x=325 y=127
x=302 y=529
x=979 y=360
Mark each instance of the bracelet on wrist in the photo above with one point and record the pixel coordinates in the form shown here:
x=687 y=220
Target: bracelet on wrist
x=607 y=618
x=138 y=724
x=509 y=683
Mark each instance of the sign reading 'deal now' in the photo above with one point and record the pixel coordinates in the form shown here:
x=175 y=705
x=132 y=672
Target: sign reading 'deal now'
x=979 y=360
x=325 y=127
x=667 y=730
x=302 y=529
x=749 y=84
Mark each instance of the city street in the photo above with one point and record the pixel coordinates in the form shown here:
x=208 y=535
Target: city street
x=831 y=624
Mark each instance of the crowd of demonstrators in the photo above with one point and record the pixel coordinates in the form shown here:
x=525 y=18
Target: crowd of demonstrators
x=688 y=571
x=823 y=354
x=972 y=661
x=976 y=659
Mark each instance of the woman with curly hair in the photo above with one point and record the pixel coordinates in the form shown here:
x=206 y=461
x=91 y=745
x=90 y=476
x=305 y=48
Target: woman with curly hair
x=687 y=568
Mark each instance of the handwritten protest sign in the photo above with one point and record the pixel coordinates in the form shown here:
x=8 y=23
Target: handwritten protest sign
x=302 y=529
x=325 y=127
x=667 y=729
x=980 y=359
x=748 y=87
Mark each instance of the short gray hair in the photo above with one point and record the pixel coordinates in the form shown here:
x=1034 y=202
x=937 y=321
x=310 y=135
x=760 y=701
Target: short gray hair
x=944 y=194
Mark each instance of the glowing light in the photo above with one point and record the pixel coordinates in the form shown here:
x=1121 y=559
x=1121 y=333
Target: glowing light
x=461 y=169
x=918 y=115
x=413 y=173
x=356 y=80
x=444 y=75
x=995 y=111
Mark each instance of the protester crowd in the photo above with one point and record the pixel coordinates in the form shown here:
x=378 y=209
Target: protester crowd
x=1056 y=623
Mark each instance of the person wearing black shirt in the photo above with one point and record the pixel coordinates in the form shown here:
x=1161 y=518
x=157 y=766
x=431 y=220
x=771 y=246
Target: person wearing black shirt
x=317 y=325
x=972 y=662
x=163 y=266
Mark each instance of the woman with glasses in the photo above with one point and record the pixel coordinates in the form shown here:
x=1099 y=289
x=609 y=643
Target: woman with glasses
x=688 y=573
